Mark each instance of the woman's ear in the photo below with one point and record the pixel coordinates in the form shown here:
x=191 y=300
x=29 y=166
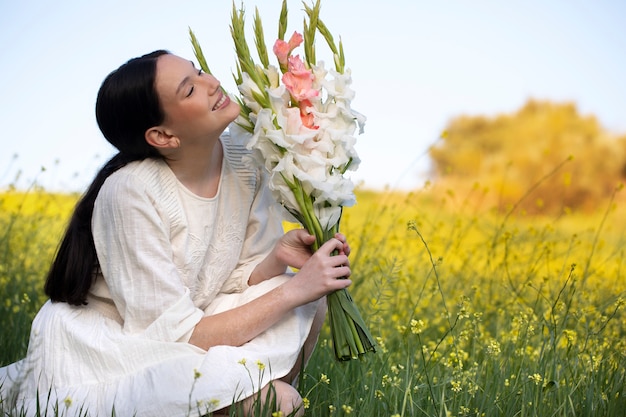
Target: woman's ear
x=160 y=139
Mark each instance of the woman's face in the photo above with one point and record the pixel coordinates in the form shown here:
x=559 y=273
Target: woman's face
x=193 y=102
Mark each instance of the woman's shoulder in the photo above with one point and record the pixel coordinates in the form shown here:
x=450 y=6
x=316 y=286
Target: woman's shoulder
x=142 y=184
x=146 y=174
x=149 y=180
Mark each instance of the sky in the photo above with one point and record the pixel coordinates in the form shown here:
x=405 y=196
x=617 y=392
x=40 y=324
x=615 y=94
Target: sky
x=416 y=65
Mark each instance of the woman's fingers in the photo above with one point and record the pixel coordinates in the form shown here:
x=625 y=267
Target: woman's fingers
x=342 y=239
x=332 y=245
x=329 y=249
x=326 y=271
x=298 y=237
x=338 y=266
x=305 y=236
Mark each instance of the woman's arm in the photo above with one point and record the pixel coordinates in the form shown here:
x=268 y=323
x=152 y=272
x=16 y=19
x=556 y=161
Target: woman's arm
x=133 y=242
x=292 y=250
x=318 y=276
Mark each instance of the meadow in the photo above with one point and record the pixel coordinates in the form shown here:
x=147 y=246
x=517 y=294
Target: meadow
x=476 y=312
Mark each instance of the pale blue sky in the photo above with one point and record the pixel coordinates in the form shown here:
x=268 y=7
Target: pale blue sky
x=415 y=64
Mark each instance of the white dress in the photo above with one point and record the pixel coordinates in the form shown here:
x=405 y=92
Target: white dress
x=167 y=258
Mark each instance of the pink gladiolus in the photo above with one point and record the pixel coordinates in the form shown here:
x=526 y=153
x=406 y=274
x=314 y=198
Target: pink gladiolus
x=299 y=80
x=299 y=86
x=296 y=65
x=306 y=116
x=282 y=49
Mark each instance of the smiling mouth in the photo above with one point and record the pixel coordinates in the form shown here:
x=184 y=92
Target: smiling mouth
x=221 y=102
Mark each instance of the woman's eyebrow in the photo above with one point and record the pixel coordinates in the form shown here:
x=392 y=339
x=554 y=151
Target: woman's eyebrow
x=186 y=79
x=182 y=84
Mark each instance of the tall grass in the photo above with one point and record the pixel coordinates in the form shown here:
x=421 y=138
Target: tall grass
x=477 y=316
x=476 y=313
x=31 y=224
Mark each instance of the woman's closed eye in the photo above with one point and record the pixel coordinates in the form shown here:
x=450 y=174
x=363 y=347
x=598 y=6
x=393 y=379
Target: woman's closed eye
x=191 y=89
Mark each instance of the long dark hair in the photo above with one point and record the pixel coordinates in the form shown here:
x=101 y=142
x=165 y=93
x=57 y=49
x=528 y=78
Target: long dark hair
x=127 y=106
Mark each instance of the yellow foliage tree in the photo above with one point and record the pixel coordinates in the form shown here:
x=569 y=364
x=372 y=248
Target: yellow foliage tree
x=546 y=157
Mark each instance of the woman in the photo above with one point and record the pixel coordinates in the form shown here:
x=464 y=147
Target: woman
x=169 y=294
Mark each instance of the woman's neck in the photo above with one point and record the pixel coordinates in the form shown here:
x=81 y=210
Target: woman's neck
x=199 y=171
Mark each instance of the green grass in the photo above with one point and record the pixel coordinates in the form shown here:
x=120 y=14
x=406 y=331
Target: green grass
x=31 y=224
x=477 y=313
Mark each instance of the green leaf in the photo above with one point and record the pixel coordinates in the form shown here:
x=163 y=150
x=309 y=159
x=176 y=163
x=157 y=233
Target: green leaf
x=282 y=21
x=197 y=50
x=351 y=338
x=237 y=31
x=259 y=39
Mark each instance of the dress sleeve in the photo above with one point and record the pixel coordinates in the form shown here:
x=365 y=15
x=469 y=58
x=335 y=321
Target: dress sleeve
x=263 y=229
x=136 y=258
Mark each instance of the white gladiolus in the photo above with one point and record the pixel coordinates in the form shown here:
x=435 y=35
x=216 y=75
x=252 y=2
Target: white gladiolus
x=313 y=158
x=282 y=193
x=328 y=216
x=246 y=88
x=273 y=75
x=337 y=86
x=319 y=76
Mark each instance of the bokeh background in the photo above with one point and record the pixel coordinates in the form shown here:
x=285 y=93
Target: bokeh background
x=416 y=66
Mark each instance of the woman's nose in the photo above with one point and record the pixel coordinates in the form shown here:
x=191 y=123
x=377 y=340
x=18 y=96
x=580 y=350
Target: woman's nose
x=210 y=80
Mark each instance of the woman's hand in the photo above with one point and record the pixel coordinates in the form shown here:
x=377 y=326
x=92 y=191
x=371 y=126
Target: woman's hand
x=322 y=273
x=345 y=249
x=294 y=248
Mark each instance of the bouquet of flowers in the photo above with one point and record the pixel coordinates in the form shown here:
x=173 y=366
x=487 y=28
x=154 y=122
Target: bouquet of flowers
x=302 y=127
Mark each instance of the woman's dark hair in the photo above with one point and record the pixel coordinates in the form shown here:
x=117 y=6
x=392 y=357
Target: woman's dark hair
x=126 y=107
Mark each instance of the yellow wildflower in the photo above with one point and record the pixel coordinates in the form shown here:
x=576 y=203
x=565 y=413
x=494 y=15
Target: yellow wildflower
x=570 y=335
x=417 y=326
x=381 y=344
x=493 y=348
x=536 y=378
x=456 y=386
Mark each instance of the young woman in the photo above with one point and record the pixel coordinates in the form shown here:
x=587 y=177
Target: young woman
x=169 y=295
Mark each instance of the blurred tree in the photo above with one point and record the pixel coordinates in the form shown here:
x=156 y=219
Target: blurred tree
x=549 y=151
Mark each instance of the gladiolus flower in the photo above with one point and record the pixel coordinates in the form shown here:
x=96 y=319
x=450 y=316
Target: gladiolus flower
x=283 y=49
x=302 y=128
x=306 y=115
x=299 y=80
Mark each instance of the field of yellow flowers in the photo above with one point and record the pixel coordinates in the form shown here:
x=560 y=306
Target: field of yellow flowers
x=475 y=312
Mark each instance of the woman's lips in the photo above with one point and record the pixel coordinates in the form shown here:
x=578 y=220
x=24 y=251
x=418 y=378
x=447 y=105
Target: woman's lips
x=222 y=102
